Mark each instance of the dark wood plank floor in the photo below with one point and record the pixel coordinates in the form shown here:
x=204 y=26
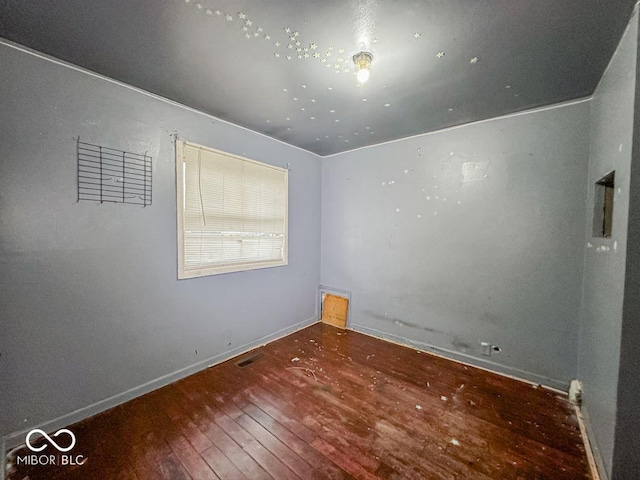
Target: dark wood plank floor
x=325 y=403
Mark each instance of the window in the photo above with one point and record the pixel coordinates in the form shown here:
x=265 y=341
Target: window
x=603 y=206
x=232 y=212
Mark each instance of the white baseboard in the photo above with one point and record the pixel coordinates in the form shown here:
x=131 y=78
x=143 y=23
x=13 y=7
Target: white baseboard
x=559 y=386
x=591 y=457
x=16 y=439
x=591 y=445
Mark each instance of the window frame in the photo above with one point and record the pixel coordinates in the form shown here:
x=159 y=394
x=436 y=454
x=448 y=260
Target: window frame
x=186 y=273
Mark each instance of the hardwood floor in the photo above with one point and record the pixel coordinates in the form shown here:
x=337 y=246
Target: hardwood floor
x=329 y=404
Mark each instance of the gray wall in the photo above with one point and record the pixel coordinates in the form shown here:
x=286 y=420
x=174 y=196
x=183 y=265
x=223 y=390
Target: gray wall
x=89 y=300
x=604 y=265
x=626 y=462
x=467 y=235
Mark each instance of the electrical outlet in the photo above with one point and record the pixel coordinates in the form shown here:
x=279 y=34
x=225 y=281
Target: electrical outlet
x=485 y=349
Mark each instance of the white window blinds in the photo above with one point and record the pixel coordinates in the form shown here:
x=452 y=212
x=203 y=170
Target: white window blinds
x=232 y=212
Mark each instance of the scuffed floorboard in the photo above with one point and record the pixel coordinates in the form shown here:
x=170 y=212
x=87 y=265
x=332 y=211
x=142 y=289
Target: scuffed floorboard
x=329 y=403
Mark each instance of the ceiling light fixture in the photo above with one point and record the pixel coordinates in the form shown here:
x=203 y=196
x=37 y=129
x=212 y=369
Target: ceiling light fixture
x=362 y=62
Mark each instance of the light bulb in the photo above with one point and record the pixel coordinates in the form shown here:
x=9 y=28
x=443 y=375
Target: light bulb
x=363 y=75
x=362 y=62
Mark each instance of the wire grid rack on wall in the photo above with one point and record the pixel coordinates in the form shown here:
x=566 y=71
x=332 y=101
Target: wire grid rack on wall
x=109 y=175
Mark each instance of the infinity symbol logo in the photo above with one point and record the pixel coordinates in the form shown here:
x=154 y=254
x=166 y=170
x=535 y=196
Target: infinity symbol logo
x=39 y=449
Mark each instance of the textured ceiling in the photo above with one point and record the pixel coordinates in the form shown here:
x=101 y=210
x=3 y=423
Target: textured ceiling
x=284 y=68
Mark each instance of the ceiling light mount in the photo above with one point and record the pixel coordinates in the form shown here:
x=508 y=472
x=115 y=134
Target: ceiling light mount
x=362 y=62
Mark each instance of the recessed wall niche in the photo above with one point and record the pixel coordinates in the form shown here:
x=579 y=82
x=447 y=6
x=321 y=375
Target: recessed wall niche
x=603 y=206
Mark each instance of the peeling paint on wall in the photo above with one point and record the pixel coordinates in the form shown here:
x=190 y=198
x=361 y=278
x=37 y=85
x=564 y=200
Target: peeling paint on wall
x=474 y=171
x=399 y=322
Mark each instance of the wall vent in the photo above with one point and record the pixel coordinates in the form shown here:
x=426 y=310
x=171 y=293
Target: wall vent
x=248 y=360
